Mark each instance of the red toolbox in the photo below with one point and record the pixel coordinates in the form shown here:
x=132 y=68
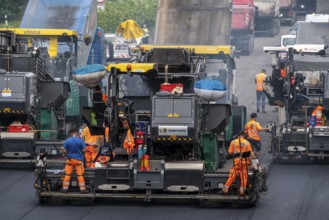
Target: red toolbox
x=18 y=128
x=170 y=87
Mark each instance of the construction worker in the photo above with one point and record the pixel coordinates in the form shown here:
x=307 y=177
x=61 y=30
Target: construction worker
x=92 y=143
x=260 y=95
x=283 y=72
x=74 y=148
x=102 y=161
x=251 y=130
x=242 y=152
x=98 y=96
x=129 y=142
x=318 y=117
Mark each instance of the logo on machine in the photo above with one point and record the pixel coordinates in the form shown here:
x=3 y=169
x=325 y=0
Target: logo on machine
x=172 y=130
x=32 y=32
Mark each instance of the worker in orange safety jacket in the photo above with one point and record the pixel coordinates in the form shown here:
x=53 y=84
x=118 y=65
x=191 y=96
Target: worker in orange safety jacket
x=283 y=72
x=129 y=142
x=242 y=152
x=260 y=95
x=251 y=130
x=102 y=161
x=92 y=143
x=74 y=148
x=320 y=119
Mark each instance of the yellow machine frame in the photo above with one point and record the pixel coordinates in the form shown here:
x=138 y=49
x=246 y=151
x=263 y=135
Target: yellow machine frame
x=194 y=49
x=52 y=34
x=137 y=68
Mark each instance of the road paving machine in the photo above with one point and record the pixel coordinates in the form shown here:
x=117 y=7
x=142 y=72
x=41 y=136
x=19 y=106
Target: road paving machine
x=180 y=144
x=35 y=81
x=302 y=133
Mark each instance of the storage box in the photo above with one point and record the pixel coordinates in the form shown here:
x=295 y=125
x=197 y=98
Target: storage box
x=18 y=128
x=170 y=87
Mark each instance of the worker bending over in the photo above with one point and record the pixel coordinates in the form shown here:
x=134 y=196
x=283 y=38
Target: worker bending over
x=242 y=152
x=319 y=119
x=92 y=143
x=74 y=148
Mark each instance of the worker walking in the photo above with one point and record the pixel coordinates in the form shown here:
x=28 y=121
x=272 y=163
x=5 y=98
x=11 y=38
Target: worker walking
x=260 y=95
x=251 y=130
x=74 y=148
x=92 y=143
x=242 y=152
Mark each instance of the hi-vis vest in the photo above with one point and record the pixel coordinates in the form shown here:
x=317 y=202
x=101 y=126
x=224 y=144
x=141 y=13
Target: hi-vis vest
x=90 y=139
x=260 y=77
x=252 y=127
x=236 y=148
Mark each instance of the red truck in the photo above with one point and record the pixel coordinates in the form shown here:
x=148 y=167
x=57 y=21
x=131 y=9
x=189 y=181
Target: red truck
x=288 y=11
x=243 y=25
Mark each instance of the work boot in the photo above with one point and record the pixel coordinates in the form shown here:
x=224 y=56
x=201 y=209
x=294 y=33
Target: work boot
x=64 y=190
x=84 y=191
x=258 y=110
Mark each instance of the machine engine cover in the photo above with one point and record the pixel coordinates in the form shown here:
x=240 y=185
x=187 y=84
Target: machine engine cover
x=18 y=92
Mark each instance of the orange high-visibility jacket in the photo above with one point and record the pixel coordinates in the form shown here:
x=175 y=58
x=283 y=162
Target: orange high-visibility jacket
x=251 y=128
x=260 y=77
x=283 y=73
x=129 y=142
x=235 y=146
x=90 y=139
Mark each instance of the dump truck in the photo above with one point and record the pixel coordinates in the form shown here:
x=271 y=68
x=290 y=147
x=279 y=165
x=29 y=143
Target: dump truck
x=288 y=12
x=178 y=130
x=243 y=25
x=35 y=84
x=267 y=17
x=295 y=137
x=180 y=22
x=77 y=15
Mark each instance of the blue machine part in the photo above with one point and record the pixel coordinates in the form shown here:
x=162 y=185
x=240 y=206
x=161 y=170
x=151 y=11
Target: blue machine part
x=210 y=84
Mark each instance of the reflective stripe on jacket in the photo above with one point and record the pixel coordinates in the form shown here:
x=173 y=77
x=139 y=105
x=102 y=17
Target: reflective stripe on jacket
x=235 y=146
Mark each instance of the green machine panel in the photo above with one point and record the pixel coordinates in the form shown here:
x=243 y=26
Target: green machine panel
x=48 y=124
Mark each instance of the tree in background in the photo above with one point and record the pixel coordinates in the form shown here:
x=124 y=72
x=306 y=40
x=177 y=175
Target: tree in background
x=117 y=11
x=14 y=11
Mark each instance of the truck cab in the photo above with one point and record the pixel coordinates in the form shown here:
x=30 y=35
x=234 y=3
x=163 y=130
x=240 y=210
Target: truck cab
x=288 y=40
